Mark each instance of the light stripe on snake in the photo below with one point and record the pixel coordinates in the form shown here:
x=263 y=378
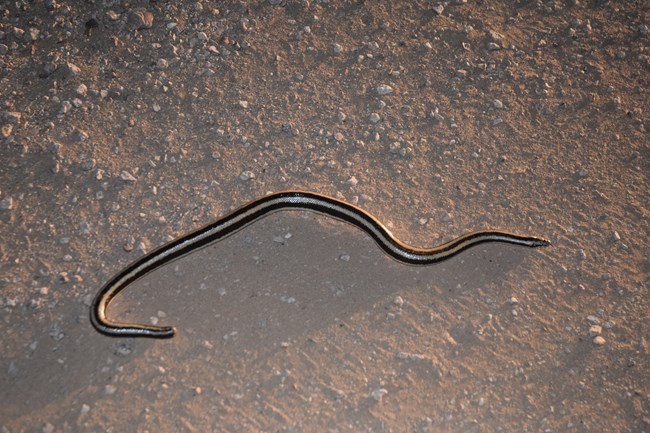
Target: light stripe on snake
x=255 y=210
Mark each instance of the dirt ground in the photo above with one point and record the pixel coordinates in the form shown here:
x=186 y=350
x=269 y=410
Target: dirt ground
x=126 y=124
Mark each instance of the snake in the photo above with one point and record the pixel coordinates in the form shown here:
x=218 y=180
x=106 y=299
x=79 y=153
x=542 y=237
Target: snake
x=253 y=211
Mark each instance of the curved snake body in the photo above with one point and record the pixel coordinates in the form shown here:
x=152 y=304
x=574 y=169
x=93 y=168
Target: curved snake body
x=255 y=210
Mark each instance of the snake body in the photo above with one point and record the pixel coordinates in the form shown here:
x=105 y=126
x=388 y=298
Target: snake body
x=255 y=210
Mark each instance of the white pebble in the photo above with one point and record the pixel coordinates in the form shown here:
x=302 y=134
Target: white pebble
x=374 y=117
x=384 y=89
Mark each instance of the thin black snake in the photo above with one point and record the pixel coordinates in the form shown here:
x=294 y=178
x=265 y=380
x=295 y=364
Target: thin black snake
x=255 y=210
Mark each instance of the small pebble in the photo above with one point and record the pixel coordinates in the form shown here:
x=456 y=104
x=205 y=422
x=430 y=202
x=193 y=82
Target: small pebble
x=374 y=117
x=395 y=147
x=80 y=135
x=497 y=104
x=66 y=106
x=81 y=90
x=339 y=137
x=110 y=389
x=112 y=15
x=63 y=278
x=378 y=394
x=593 y=320
x=48 y=428
x=247 y=175
x=129 y=245
x=12 y=116
x=337 y=48
x=70 y=69
x=398 y=301
x=384 y=90
x=243 y=104
x=6 y=203
x=353 y=181
x=140 y=19
x=599 y=341
x=595 y=330
x=143 y=246
x=85 y=408
x=6 y=130
x=127 y=177
x=438 y=9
